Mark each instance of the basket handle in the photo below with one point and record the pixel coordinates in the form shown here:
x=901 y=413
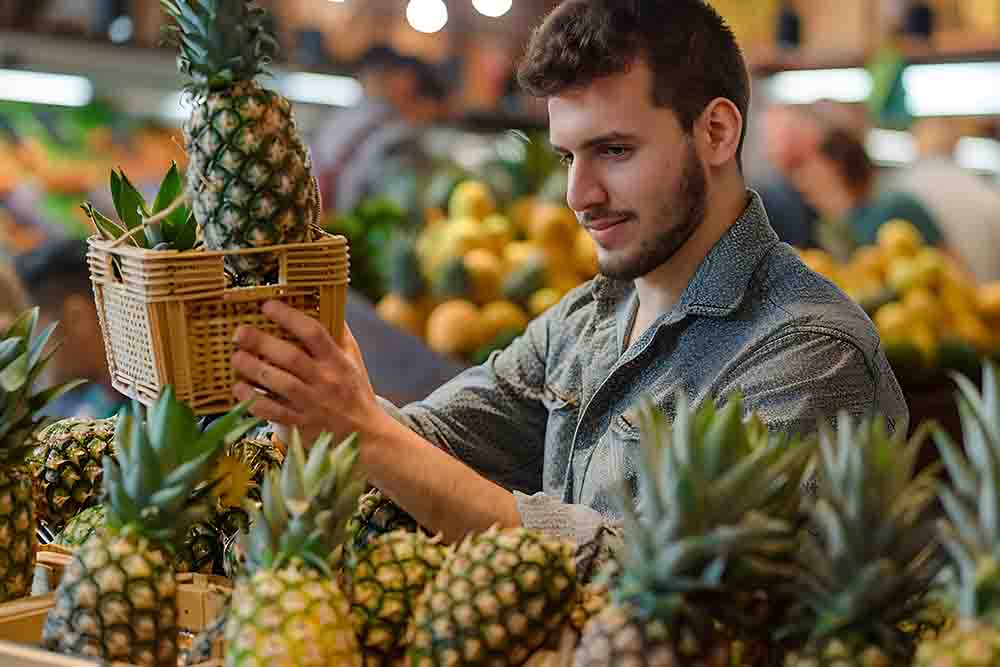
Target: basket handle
x=152 y=220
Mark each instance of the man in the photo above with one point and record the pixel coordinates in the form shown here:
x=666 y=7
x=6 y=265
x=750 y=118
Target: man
x=646 y=104
x=358 y=147
x=57 y=279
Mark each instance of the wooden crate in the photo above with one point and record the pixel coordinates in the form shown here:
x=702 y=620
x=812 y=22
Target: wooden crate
x=200 y=600
x=168 y=318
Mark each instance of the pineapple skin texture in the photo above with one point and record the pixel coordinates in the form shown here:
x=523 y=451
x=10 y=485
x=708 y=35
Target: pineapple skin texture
x=837 y=653
x=495 y=601
x=383 y=585
x=376 y=516
x=17 y=532
x=67 y=463
x=249 y=175
x=971 y=644
x=117 y=601
x=293 y=617
x=615 y=637
x=78 y=530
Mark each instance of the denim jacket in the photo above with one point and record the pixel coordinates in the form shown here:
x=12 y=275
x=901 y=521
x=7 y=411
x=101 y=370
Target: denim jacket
x=552 y=417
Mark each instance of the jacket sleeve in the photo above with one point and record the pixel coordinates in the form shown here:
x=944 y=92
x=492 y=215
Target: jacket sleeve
x=491 y=417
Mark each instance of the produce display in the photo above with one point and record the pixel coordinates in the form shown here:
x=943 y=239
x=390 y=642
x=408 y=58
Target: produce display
x=931 y=316
x=470 y=282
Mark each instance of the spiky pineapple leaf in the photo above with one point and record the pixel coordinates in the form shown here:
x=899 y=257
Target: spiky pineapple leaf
x=15 y=374
x=171 y=188
x=107 y=228
x=131 y=207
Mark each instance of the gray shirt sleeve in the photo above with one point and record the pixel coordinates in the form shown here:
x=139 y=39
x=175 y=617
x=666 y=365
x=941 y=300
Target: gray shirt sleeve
x=803 y=376
x=491 y=417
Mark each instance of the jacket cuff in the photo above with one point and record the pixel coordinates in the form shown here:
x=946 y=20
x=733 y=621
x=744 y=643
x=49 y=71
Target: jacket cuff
x=577 y=523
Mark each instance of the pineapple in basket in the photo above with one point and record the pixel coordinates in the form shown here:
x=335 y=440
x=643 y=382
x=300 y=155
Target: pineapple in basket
x=22 y=360
x=286 y=610
x=250 y=174
x=705 y=535
x=117 y=600
x=870 y=556
x=970 y=534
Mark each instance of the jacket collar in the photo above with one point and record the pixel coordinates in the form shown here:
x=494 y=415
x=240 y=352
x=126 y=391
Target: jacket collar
x=720 y=283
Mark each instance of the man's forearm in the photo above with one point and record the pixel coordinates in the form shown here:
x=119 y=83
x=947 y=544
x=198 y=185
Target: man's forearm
x=442 y=493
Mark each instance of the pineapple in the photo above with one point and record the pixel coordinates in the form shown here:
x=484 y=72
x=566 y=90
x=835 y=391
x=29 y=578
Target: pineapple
x=68 y=469
x=249 y=174
x=970 y=533
x=700 y=538
x=117 y=600
x=286 y=609
x=81 y=527
x=496 y=600
x=383 y=583
x=376 y=516
x=258 y=456
x=22 y=359
x=870 y=555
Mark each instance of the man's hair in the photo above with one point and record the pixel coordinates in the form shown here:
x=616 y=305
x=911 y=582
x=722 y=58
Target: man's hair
x=851 y=160
x=54 y=271
x=691 y=51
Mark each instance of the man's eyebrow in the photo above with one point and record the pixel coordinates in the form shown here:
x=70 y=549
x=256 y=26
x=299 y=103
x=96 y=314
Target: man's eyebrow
x=600 y=140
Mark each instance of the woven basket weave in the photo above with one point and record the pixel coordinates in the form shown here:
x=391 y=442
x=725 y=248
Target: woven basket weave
x=168 y=318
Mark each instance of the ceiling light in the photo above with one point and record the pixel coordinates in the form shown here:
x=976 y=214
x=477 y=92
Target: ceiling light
x=492 y=8
x=45 y=88
x=428 y=16
x=808 y=86
x=953 y=89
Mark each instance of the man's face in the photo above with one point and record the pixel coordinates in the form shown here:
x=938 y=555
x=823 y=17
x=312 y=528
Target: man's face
x=636 y=182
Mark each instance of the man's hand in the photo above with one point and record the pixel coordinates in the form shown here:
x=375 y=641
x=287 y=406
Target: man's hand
x=316 y=385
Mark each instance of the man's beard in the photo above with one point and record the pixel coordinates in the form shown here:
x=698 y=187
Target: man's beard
x=676 y=223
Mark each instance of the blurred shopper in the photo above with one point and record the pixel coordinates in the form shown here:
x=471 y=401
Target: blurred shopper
x=358 y=150
x=791 y=133
x=57 y=280
x=839 y=181
x=965 y=206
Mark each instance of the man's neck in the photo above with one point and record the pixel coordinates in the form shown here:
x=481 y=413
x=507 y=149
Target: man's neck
x=660 y=290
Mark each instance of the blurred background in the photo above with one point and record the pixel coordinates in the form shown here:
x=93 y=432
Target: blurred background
x=874 y=135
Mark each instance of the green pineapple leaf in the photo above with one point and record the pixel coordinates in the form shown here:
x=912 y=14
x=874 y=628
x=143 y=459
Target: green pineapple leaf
x=15 y=374
x=131 y=208
x=25 y=324
x=107 y=228
x=9 y=348
x=171 y=188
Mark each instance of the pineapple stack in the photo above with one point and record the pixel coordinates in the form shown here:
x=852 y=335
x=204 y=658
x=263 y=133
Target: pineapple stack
x=705 y=538
x=23 y=357
x=249 y=175
x=287 y=609
x=870 y=557
x=117 y=600
x=970 y=533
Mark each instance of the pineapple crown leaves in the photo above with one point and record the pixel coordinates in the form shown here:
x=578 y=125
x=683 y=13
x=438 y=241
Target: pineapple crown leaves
x=23 y=358
x=305 y=506
x=872 y=554
x=971 y=532
x=702 y=523
x=176 y=231
x=221 y=42
x=162 y=457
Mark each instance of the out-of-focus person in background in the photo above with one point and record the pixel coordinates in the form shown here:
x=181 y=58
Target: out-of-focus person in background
x=57 y=279
x=357 y=150
x=839 y=180
x=13 y=300
x=791 y=133
x=965 y=206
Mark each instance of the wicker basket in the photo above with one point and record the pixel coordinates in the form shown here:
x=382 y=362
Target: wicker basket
x=168 y=318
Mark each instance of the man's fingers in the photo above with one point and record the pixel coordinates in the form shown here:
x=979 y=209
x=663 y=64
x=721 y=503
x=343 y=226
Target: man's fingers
x=317 y=340
x=266 y=408
x=269 y=377
x=278 y=352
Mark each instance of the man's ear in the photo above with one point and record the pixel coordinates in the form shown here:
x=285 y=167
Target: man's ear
x=720 y=129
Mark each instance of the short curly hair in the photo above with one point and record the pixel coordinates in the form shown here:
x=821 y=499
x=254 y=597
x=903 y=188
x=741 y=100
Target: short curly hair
x=692 y=52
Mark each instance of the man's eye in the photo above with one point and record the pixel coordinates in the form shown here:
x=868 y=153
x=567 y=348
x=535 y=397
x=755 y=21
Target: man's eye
x=616 y=151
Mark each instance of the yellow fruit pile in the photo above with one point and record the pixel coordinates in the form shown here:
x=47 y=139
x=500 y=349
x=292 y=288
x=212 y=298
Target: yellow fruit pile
x=514 y=266
x=916 y=295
